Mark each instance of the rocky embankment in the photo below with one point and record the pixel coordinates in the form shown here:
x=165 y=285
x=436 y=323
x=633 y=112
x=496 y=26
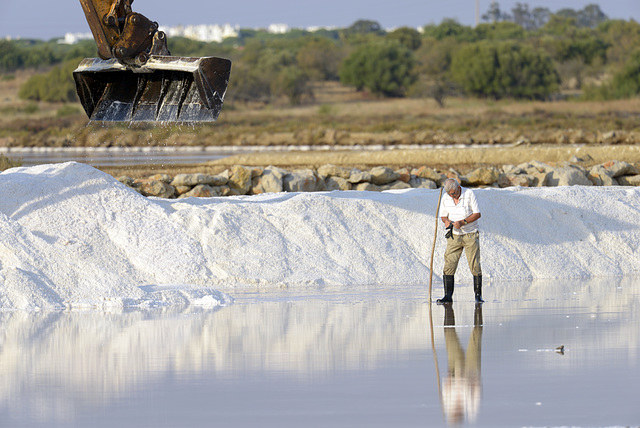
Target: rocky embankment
x=252 y=180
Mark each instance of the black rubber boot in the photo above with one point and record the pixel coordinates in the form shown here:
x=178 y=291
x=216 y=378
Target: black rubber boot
x=448 y=290
x=477 y=288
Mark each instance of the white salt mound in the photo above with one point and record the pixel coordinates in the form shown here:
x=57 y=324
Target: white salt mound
x=73 y=236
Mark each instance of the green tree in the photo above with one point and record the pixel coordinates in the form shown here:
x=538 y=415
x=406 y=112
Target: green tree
x=82 y=49
x=320 y=58
x=364 y=26
x=499 y=31
x=589 y=17
x=385 y=68
x=621 y=38
x=626 y=83
x=11 y=57
x=406 y=36
x=495 y=14
x=449 y=28
x=505 y=69
x=539 y=17
x=434 y=59
x=265 y=71
x=292 y=83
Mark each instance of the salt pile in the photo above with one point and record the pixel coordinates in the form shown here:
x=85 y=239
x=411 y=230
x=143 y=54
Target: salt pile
x=73 y=236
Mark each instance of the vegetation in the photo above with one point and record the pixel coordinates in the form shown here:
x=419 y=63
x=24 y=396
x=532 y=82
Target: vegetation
x=519 y=54
x=6 y=163
x=55 y=86
x=384 y=68
x=504 y=69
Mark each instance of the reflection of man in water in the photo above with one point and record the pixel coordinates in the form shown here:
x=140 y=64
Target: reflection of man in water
x=462 y=387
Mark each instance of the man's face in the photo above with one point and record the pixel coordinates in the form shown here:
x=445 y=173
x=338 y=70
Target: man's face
x=455 y=193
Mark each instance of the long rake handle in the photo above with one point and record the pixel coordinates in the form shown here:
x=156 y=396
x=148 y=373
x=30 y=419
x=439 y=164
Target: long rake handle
x=435 y=235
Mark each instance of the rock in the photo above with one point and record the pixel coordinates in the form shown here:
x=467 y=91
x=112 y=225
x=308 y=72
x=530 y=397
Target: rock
x=226 y=191
x=404 y=175
x=629 y=180
x=256 y=171
x=181 y=190
x=422 y=183
x=452 y=173
x=512 y=169
x=196 y=179
x=568 y=175
x=610 y=137
x=330 y=170
x=368 y=187
x=537 y=165
x=618 y=168
x=269 y=182
x=302 y=180
x=337 y=183
x=510 y=180
x=536 y=170
x=396 y=185
x=600 y=176
x=576 y=159
x=430 y=174
x=202 y=191
x=240 y=179
x=383 y=175
x=161 y=177
x=126 y=180
x=482 y=176
x=539 y=178
x=357 y=176
x=157 y=188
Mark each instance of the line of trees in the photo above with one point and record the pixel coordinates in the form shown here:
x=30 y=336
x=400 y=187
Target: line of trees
x=521 y=54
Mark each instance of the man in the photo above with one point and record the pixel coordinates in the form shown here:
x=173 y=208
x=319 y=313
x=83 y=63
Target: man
x=460 y=213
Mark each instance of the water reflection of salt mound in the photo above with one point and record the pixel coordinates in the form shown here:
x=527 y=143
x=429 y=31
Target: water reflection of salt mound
x=71 y=235
x=102 y=357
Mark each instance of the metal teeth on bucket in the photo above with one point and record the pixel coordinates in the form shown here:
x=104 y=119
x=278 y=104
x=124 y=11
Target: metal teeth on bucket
x=165 y=89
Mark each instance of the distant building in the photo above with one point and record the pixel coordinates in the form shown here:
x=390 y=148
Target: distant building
x=278 y=29
x=73 y=38
x=203 y=33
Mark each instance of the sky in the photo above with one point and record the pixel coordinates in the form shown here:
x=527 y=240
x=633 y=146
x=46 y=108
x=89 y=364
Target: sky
x=71 y=235
x=45 y=19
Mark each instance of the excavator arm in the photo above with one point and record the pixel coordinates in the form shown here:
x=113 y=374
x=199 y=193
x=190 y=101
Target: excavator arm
x=137 y=79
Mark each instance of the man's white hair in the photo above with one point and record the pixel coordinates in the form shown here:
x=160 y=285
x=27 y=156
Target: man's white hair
x=451 y=185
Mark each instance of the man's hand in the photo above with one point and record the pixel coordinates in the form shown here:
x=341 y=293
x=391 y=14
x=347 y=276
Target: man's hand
x=458 y=224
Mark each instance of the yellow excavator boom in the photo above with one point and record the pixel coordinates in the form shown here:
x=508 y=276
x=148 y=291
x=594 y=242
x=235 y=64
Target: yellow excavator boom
x=137 y=79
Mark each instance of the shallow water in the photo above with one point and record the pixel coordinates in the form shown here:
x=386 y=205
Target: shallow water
x=348 y=357
x=101 y=157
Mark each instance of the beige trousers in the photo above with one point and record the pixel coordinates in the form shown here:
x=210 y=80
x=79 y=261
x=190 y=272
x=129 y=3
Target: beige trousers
x=470 y=243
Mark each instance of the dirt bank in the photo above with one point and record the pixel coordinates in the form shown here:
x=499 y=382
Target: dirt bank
x=467 y=157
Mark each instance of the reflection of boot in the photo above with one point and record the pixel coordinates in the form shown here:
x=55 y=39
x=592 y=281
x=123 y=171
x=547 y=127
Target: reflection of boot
x=477 y=316
x=477 y=288
x=449 y=316
x=448 y=290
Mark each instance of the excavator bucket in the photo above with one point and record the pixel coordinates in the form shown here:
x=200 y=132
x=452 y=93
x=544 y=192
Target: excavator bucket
x=165 y=89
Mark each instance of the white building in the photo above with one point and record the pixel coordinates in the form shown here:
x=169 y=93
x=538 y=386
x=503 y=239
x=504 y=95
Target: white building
x=203 y=33
x=73 y=38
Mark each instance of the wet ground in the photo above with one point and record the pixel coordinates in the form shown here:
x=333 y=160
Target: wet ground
x=545 y=353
